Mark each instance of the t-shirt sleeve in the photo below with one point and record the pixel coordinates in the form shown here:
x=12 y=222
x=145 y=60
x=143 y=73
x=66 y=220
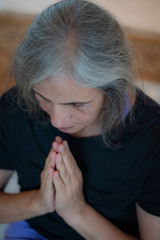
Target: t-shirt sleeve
x=4 y=151
x=149 y=198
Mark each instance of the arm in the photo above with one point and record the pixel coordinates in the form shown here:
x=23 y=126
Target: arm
x=149 y=225
x=71 y=206
x=28 y=204
x=16 y=207
x=93 y=226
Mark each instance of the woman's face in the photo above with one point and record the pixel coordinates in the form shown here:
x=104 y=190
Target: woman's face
x=72 y=109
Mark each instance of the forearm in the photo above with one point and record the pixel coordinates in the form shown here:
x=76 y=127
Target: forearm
x=93 y=226
x=21 y=206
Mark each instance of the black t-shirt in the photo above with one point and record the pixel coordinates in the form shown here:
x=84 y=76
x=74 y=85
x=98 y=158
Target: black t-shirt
x=114 y=179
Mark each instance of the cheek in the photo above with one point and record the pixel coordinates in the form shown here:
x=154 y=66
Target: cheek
x=88 y=114
x=45 y=106
x=85 y=116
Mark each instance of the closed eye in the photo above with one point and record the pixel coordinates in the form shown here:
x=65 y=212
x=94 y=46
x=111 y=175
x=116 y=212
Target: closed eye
x=75 y=104
x=78 y=104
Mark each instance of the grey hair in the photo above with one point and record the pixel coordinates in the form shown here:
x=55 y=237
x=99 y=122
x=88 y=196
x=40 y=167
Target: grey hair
x=86 y=42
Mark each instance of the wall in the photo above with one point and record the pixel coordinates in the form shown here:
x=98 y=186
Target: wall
x=1 y=4
x=138 y=14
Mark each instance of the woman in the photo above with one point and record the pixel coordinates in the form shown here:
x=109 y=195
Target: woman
x=84 y=141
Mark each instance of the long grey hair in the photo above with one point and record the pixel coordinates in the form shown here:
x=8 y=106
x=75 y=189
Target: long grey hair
x=86 y=42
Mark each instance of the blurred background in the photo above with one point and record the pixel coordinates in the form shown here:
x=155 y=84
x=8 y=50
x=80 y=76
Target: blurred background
x=140 y=18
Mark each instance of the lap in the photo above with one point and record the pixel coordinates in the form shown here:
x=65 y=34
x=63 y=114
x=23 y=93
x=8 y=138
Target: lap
x=22 y=231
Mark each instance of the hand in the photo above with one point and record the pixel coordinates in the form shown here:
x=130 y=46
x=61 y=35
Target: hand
x=68 y=182
x=46 y=194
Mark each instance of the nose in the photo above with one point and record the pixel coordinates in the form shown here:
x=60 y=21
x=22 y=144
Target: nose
x=60 y=116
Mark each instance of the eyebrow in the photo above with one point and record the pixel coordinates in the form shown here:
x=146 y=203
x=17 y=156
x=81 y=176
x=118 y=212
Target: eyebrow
x=40 y=95
x=69 y=103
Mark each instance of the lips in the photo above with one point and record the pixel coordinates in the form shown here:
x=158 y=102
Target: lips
x=65 y=128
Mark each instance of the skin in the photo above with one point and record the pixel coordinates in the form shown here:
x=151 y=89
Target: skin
x=61 y=179
x=72 y=108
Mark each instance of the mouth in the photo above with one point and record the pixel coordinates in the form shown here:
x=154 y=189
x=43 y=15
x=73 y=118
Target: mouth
x=65 y=128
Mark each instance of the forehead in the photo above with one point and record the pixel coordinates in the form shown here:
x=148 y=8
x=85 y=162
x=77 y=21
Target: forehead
x=65 y=90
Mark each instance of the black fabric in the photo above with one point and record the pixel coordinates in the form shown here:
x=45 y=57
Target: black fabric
x=114 y=179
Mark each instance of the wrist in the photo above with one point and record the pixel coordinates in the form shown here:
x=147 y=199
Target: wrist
x=76 y=216
x=37 y=204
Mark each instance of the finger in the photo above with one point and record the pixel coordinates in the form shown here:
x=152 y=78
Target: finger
x=47 y=191
x=49 y=155
x=50 y=163
x=58 y=139
x=68 y=158
x=55 y=144
x=64 y=174
x=58 y=183
x=47 y=180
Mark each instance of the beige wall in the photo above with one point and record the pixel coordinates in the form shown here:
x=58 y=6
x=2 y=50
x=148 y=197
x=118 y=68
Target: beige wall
x=138 y=14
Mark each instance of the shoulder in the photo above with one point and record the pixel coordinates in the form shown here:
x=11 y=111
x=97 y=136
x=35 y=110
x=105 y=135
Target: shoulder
x=10 y=108
x=141 y=124
x=145 y=130
x=8 y=100
x=141 y=129
x=15 y=116
x=146 y=113
x=146 y=106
